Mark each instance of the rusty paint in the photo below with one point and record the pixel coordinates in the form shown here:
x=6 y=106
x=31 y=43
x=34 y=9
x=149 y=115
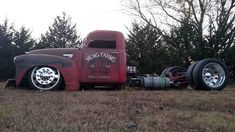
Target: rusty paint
x=83 y=65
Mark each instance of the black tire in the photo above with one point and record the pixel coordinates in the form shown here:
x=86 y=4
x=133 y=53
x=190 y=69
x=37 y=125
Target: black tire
x=210 y=74
x=45 y=78
x=164 y=71
x=173 y=69
x=176 y=71
x=189 y=74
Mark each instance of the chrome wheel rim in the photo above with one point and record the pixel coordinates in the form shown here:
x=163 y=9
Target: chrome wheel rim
x=45 y=78
x=213 y=75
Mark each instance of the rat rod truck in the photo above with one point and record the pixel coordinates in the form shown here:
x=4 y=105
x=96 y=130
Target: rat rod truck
x=101 y=61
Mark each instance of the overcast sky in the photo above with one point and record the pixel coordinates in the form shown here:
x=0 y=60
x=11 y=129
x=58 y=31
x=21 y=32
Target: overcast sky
x=89 y=15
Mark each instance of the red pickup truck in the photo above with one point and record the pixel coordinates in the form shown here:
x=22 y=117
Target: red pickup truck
x=101 y=59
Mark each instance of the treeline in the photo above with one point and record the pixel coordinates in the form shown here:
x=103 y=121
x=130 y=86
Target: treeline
x=148 y=46
x=152 y=51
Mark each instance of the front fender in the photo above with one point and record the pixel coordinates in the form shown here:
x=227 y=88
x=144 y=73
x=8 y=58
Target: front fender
x=67 y=67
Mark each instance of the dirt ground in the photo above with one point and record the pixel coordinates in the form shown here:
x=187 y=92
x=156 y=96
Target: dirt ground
x=125 y=110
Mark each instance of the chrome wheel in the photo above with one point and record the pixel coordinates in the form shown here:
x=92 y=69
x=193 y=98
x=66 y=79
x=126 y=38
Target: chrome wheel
x=45 y=78
x=213 y=75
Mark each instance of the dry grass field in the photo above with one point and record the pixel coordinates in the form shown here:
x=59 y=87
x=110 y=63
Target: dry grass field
x=125 y=110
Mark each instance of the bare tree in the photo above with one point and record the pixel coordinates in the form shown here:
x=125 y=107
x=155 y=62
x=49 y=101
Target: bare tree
x=212 y=20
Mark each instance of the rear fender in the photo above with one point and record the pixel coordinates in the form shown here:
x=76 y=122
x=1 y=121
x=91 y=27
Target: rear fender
x=67 y=67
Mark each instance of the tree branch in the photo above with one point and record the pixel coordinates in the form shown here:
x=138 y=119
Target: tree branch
x=168 y=14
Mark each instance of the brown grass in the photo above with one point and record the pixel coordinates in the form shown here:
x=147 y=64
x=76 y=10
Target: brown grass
x=125 y=110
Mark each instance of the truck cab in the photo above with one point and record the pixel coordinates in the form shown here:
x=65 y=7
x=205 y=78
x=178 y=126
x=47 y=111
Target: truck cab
x=100 y=60
x=103 y=58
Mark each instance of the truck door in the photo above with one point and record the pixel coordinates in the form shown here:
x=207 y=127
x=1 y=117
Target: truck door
x=100 y=62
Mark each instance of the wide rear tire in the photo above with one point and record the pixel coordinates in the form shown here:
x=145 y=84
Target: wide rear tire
x=210 y=74
x=189 y=74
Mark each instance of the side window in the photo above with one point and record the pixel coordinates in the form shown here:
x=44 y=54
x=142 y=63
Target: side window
x=106 y=44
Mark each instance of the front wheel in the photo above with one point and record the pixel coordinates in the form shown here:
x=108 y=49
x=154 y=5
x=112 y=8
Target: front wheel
x=45 y=78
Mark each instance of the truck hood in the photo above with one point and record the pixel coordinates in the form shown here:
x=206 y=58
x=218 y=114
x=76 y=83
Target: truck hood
x=64 y=52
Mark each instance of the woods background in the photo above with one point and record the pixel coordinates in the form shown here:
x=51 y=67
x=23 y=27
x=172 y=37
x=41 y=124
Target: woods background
x=165 y=33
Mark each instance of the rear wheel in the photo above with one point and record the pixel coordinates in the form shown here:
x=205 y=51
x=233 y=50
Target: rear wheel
x=189 y=74
x=45 y=78
x=210 y=74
